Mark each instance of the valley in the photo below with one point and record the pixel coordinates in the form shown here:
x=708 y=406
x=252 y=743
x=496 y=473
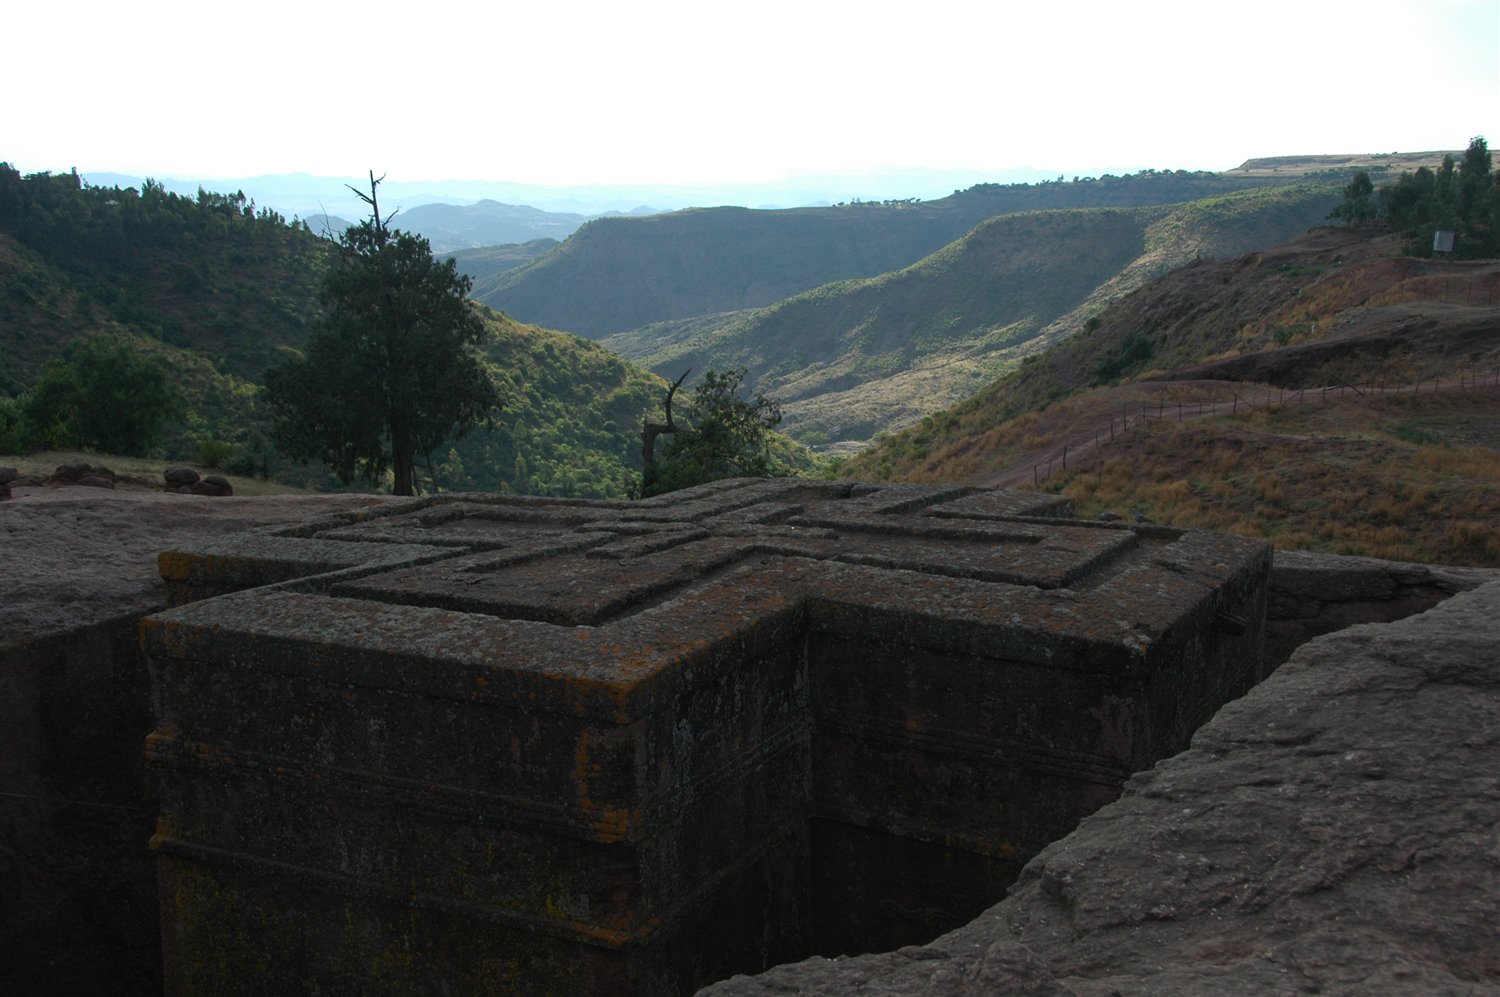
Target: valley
x=963 y=340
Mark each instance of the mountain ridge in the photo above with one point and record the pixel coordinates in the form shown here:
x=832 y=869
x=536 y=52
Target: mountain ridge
x=856 y=357
x=618 y=274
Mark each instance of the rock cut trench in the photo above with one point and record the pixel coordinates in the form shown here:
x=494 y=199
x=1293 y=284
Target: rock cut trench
x=557 y=746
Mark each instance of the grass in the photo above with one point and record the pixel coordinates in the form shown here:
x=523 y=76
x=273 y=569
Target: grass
x=139 y=473
x=1405 y=478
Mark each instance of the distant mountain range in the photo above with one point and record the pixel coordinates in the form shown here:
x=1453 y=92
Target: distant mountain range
x=303 y=195
x=446 y=224
x=452 y=228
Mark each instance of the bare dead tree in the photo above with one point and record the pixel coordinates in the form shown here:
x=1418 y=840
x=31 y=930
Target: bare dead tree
x=651 y=430
x=381 y=224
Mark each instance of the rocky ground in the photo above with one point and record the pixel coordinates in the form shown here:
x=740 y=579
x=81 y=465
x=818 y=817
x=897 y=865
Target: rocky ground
x=1337 y=831
x=74 y=556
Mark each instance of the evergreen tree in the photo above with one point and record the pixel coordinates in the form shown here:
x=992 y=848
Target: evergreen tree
x=1459 y=196
x=1359 y=204
x=392 y=368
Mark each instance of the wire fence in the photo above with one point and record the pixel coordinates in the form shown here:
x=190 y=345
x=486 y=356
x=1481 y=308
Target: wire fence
x=1249 y=400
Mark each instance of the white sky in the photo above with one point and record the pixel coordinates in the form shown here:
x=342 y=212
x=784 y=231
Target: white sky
x=665 y=92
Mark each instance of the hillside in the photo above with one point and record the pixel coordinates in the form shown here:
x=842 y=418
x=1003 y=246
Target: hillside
x=618 y=274
x=218 y=290
x=211 y=274
x=855 y=358
x=571 y=423
x=479 y=264
x=1378 y=164
x=1335 y=306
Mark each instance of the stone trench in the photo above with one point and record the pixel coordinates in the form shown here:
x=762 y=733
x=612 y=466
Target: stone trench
x=482 y=744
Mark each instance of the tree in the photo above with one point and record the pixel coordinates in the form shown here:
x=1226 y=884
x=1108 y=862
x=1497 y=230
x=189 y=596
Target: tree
x=1359 y=204
x=392 y=368
x=725 y=436
x=1477 y=200
x=105 y=395
x=1459 y=196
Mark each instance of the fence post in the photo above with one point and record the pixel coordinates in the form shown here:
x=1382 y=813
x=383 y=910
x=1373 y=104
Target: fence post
x=1065 y=457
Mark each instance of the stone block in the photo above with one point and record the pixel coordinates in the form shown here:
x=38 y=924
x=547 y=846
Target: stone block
x=597 y=747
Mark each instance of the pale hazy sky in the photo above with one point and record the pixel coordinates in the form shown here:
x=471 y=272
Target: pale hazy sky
x=666 y=92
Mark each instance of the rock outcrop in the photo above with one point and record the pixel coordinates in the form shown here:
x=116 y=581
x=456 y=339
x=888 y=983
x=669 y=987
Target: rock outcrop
x=78 y=907
x=75 y=713
x=83 y=474
x=1333 y=831
x=186 y=481
x=1314 y=594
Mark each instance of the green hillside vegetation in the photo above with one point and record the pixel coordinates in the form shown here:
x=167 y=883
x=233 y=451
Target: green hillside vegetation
x=571 y=422
x=855 y=358
x=215 y=291
x=212 y=274
x=618 y=274
x=1460 y=196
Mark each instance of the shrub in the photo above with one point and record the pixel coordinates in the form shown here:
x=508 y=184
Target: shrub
x=1132 y=353
x=106 y=395
x=212 y=453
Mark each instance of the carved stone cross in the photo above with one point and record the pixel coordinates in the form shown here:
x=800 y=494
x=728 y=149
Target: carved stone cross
x=523 y=745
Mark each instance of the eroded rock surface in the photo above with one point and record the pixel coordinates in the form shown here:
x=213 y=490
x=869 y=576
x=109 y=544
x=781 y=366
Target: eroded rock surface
x=1337 y=830
x=75 y=557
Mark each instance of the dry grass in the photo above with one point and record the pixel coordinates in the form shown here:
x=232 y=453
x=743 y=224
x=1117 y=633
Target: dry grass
x=1412 y=479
